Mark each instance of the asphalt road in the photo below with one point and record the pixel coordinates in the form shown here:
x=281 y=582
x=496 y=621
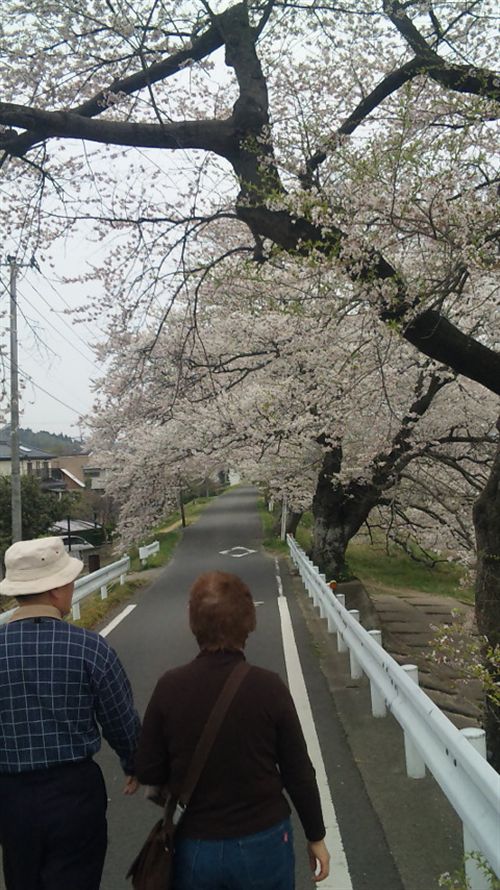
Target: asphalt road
x=155 y=636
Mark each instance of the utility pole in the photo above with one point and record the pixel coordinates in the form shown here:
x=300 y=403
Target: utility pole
x=15 y=463
x=16 y=506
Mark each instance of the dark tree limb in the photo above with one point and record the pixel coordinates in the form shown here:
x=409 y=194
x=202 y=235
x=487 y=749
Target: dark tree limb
x=209 y=135
x=462 y=78
x=202 y=46
x=245 y=140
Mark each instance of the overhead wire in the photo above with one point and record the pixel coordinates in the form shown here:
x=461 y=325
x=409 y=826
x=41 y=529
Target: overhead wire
x=64 y=300
x=24 y=374
x=44 y=318
x=41 y=388
x=73 y=345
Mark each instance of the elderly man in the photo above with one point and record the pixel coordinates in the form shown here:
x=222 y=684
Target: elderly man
x=58 y=684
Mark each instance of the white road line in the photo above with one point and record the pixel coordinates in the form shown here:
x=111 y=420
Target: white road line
x=339 y=878
x=112 y=624
x=278 y=577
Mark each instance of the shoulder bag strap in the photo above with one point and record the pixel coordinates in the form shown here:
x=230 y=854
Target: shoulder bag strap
x=208 y=735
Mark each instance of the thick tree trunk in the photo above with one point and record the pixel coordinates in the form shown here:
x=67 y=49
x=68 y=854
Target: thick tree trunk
x=329 y=534
x=487 y=527
x=292 y=521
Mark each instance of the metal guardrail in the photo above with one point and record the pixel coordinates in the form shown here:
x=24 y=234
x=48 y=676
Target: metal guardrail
x=148 y=550
x=89 y=584
x=471 y=785
x=100 y=579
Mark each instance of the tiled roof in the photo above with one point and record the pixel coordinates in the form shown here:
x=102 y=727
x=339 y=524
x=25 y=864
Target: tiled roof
x=25 y=452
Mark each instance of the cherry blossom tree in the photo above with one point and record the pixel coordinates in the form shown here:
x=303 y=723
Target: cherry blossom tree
x=361 y=136
x=327 y=411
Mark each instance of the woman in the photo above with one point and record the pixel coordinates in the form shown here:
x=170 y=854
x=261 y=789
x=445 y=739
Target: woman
x=236 y=831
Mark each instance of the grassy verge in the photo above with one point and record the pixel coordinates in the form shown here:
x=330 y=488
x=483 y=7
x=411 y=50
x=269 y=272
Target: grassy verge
x=271 y=540
x=378 y=569
x=395 y=570
x=93 y=609
x=168 y=534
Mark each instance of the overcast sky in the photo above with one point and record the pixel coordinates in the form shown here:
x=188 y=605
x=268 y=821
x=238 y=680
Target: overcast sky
x=56 y=360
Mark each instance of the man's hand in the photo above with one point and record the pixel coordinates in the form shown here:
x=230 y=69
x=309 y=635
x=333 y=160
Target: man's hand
x=131 y=785
x=319 y=856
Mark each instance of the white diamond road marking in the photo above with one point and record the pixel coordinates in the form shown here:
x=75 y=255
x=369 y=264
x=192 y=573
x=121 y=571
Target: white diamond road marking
x=237 y=552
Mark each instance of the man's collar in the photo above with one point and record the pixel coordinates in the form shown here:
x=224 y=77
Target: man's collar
x=41 y=611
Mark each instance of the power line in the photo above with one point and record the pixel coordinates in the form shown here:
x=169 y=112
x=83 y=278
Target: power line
x=73 y=345
x=70 y=328
x=45 y=391
x=37 y=335
x=64 y=300
x=91 y=362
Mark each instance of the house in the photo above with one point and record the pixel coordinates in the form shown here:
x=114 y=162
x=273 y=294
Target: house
x=57 y=473
x=72 y=464
x=33 y=461
x=95 y=478
x=68 y=473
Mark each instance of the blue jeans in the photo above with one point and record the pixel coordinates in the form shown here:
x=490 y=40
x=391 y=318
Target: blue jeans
x=263 y=861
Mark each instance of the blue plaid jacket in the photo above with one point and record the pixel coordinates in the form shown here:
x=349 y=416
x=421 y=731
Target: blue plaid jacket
x=57 y=683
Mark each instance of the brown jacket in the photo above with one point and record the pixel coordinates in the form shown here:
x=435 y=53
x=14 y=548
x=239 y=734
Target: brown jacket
x=259 y=751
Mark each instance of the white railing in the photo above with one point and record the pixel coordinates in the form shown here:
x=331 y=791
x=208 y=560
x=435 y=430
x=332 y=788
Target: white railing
x=148 y=550
x=89 y=584
x=453 y=757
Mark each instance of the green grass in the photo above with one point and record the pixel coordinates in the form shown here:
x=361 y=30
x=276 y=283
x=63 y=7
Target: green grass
x=94 y=609
x=372 y=564
x=271 y=540
x=376 y=568
x=168 y=539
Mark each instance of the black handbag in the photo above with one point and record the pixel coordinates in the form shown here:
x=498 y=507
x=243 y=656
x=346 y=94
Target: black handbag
x=152 y=867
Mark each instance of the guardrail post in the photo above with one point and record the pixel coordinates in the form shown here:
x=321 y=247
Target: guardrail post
x=307 y=577
x=104 y=592
x=415 y=766
x=356 y=670
x=378 y=701
x=332 y=627
x=122 y=578
x=320 y=599
x=341 y=645
x=75 y=612
x=474 y=873
x=315 y=571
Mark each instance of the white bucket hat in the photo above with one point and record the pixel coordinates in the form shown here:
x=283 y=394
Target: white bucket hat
x=37 y=566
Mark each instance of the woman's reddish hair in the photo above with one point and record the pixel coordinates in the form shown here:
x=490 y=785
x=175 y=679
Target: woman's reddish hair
x=221 y=611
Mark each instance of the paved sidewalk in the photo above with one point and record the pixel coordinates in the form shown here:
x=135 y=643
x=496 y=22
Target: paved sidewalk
x=423 y=832
x=408 y=620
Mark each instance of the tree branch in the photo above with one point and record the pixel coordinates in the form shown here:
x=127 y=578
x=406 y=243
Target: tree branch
x=203 y=46
x=462 y=78
x=210 y=135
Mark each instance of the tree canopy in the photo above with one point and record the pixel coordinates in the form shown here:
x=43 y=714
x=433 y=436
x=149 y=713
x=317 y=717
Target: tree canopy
x=196 y=141
x=361 y=133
